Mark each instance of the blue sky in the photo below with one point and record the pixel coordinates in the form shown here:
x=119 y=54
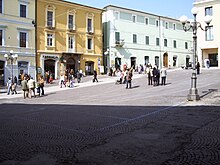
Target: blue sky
x=170 y=8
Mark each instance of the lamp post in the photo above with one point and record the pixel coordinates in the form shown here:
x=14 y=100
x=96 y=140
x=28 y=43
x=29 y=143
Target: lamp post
x=11 y=57
x=194 y=25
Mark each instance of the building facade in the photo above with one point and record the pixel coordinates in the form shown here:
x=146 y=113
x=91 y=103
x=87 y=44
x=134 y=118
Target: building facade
x=69 y=37
x=135 y=38
x=17 y=33
x=208 y=41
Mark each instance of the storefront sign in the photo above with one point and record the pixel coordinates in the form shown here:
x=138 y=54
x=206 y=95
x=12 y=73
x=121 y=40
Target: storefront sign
x=50 y=57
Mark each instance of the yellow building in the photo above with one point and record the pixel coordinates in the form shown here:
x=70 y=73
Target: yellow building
x=17 y=37
x=69 y=37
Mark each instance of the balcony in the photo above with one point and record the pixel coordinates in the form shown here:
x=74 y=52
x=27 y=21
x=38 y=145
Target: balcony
x=50 y=27
x=119 y=43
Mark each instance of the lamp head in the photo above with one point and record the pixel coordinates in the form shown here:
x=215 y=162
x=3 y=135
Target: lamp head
x=208 y=19
x=6 y=56
x=16 y=56
x=183 y=19
x=11 y=51
x=195 y=11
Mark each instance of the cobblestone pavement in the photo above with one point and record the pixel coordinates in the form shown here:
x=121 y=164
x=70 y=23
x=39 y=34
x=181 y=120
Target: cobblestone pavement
x=143 y=125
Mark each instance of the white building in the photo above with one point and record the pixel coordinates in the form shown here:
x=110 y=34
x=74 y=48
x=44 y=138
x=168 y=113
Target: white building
x=134 y=37
x=208 y=41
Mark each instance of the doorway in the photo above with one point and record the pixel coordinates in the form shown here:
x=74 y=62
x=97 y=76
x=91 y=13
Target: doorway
x=70 y=65
x=165 y=60
x=89 y=67
x=2 y=64
x=49 y=65
x=213 y=58
x=157 y=61
x=133 y=62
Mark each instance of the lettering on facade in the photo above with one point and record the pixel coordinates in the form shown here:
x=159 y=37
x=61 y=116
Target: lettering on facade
x=50 y=57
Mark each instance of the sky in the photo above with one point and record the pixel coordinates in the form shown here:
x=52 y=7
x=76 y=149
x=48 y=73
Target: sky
x=169 y=8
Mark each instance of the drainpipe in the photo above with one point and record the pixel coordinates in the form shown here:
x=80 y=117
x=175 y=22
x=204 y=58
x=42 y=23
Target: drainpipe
x=36 y=62
x=160 y=61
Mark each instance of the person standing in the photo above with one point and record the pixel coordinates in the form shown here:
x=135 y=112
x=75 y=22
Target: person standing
x=31 y=86
x=24 y=87
x=95 y=76
x=41 y=83
x=129 y=78
x=62 y=81
x=198 y=67
x=149 y=74
x=155 y=75
x=163 y=73
x=9 y=84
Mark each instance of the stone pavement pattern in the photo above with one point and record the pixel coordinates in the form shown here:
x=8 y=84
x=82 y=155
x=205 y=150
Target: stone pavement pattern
x=39 y=131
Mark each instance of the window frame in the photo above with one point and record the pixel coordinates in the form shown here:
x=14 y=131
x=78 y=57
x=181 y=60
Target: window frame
x=165 y=42
x=134 y=38
x=23 y=12
x=146 y=21
x=23 y=41
x=147 y=40
x=209 y=35
x=186 y=45
x=174 y=44
x=157 y=41
x=209 y=10
x=89 y=43
x=50 y=39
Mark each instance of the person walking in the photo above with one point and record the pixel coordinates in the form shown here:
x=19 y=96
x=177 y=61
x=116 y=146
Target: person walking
x=163 y=73
x=95 y=76
x=9 y=84
x=24 y=87
x=62 y=81
x=31 y=86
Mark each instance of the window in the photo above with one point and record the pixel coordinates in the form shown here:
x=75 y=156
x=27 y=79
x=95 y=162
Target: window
x=134 y=38
x=134 y=18
x=23 y=11
x=49 y=39
x=157 y=23
x=23 y=39
x=186 y=45
x=117 y=36
x=49 y=18
x=174 y=43
x=174 y=26
x=116 y=14
x=157 y=41
x=71 y=42
x=146 y=21
x=208 y=11
x=1 y=6
x=1 y=37
x=89 y=25
x=71 y=22
x=147 y=40
x=89 y=43
x=209 y=34
x=165 y=42
x=166 y=25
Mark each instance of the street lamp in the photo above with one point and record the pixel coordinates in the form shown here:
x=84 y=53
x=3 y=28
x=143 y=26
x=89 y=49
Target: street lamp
x=11 y=57
x=194 y=25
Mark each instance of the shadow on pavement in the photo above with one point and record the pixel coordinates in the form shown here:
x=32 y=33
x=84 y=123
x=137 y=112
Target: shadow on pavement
x=90 y=134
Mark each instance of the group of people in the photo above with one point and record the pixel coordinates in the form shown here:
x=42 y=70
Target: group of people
x=124 y=77
x=12 y=85
x=154 y=75
x=28 y=86
x=68 y=78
